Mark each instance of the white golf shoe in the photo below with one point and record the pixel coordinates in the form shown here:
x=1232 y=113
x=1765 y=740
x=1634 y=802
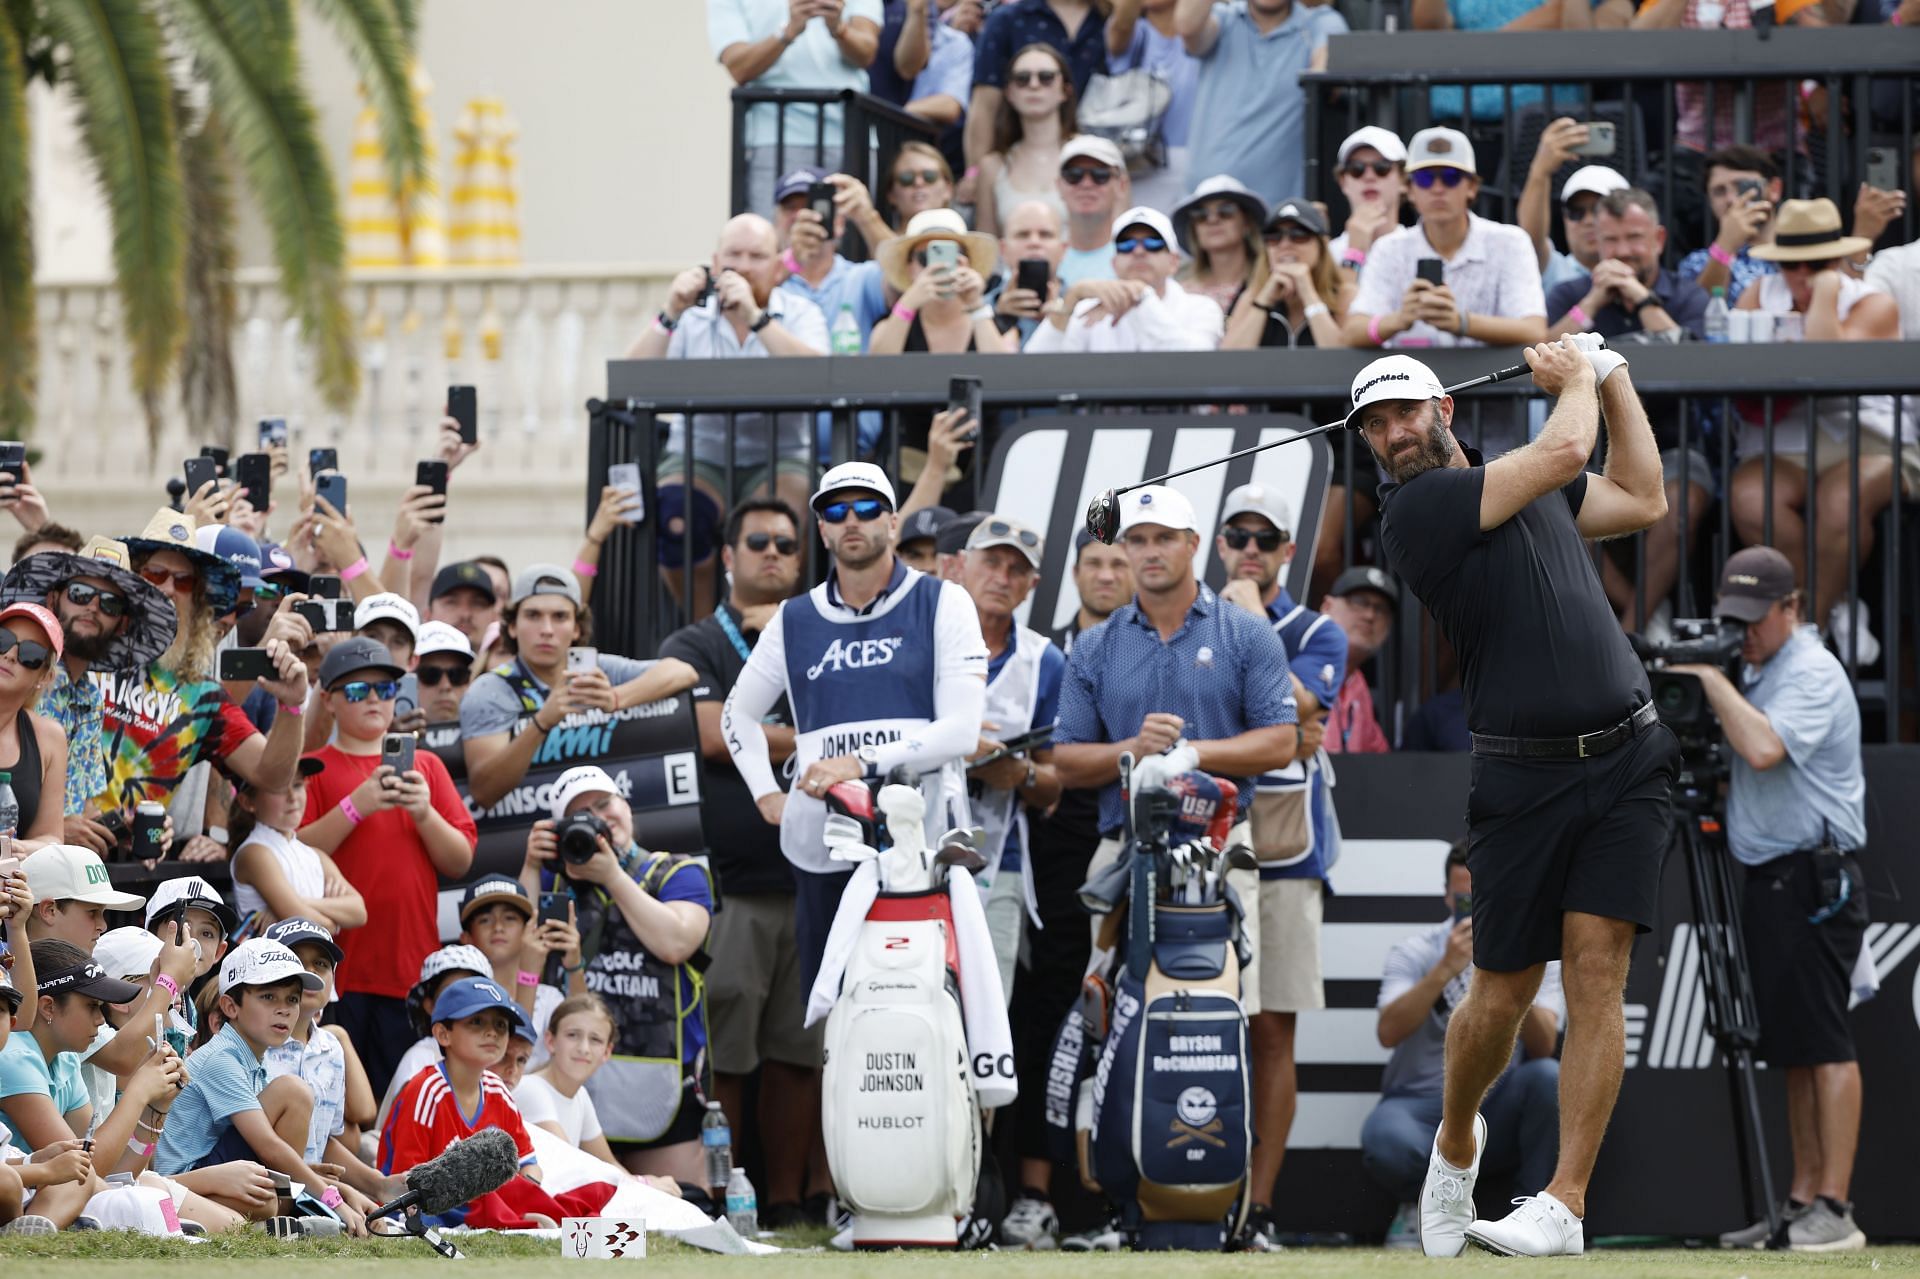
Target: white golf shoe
x=1446 y=1200
x=1540 y=1226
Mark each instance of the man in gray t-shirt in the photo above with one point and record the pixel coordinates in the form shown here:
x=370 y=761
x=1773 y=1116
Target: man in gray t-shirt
x=541 y=626
x=1424 y=980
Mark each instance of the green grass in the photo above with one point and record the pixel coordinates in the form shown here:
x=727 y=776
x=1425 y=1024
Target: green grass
x=503 y=1257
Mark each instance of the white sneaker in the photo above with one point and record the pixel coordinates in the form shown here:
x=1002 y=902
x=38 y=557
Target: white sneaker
x=1031 y=1224
x=1843 y=623
x=1541 y=1226
x=1446 y=1200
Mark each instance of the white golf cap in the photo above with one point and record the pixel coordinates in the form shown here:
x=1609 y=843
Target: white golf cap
x=259 y=962
x=1004 y=530
x=127 y=952
x=198 y=894
x=1393 y=377
x=1385 y=141
x=1144 y=215
x=66 y=872
x=1259 y=499
x=587 y=779
x=854 y=475
x=1440 y=148
x=438 y=637
x=1596 y=179
x=1091 y=146
x=1157 y=504
x=387 y=607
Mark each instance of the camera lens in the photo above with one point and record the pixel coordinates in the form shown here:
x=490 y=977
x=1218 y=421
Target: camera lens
x=579 y=838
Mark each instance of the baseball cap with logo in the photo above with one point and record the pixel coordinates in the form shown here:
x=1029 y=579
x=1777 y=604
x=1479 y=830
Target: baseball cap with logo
x=1385 y=141
x=1091 y=146
x=237 y=549
x=1301 y=212
x=1393 y=377
x=1262 y=500
x=88 y=979
x=297 y=930
x=259 y=962
x=587 y=779
x=1440 y=148
x=796 y=183
x=1365 y=577
x=126 y=952
x=472 y=995
x=1594 y=179
x=1753 y=581
x=387 y=607
x=854 y=475
x=357 y=654
x=66 y=872
x=198 y=894
x=1152 y=219
x=924 y=524
x=459 y=957
x=483 y=893
x=466 y=574
x=438 y=637
x=1157 y=504
x=1000 y=530
x=546 y=579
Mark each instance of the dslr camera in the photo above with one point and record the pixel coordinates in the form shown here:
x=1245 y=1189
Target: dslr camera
x=579 y=836
x=1680 y=699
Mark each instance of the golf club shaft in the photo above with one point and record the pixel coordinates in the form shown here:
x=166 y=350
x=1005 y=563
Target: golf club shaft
x=1486 y=379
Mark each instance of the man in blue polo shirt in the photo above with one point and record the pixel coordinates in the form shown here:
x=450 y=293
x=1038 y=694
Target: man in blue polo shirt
x=1292 y=820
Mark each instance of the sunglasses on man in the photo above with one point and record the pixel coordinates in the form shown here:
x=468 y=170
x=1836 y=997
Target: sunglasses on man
x=430 y=676
x=1140 y=244
x=1026 y=536
x=1268 y=540
x=1358 y=169
x=917 y=177
x=29 y=653
x=1073 y=175
x=110 y=603
x=865 y=509
x=1027 y=79
x=182 y=582
x=761 y=541
x=1449 y=178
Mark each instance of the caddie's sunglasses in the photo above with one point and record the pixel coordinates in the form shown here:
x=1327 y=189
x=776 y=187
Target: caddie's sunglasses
x=1027 y=79
x=1073 y=175
x=917 y=177
x=360 y=690
x=1140 y=244
x=866 y=510
x=1425 y=178
x=1360 y=168
x=430 y=676
x=1025 y=536
x=1290 y=232
x=182 y=582
x=30 y=654
x=110 y=603
x=760 y=542
x=1268 y=540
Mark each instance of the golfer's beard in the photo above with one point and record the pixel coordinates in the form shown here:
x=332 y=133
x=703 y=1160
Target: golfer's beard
x=1435 y=450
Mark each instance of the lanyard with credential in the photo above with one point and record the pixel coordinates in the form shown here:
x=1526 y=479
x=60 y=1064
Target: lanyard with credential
x=732 y=633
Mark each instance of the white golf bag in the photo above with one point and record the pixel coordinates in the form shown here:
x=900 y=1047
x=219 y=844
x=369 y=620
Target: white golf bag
x=900 y=1092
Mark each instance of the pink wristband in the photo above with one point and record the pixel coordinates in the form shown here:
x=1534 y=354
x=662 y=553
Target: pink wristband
x=904 y=313
x=359 y=568
x=140 y=1149
x=790 y=262
x=398 y=552
x=332 y=1197
x=1578 y=316
x=525 y=978
x=293 y=708
x=583 y=569
x=167 y=983
x=1719 y=255
x=353 y=814
x=1373 y=330
x=1354 y=257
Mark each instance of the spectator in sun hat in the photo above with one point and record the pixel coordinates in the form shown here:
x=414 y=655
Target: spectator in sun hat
x=111 y=619
x=1219 y=227
x=1143 y=308
x=942 y=308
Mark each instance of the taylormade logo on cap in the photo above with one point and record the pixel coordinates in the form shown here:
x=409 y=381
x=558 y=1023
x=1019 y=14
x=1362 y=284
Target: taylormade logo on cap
x=1364 y=387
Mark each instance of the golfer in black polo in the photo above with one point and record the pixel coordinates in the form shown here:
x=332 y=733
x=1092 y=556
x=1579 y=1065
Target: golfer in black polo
x=1572 y=771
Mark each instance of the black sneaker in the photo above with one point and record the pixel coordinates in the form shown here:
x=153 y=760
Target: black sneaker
x=1258 y=1233
x=785 y=1216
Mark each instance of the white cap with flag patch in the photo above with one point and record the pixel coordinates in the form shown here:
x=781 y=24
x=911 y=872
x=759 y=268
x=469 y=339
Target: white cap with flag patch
x=1157 y=504
x=1393 y=377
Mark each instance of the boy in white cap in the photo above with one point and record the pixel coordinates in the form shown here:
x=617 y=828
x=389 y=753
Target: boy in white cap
x=1373 y=178
x=443 y=667
x=72 y=894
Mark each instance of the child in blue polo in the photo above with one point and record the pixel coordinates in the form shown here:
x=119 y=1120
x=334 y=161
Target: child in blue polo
x=218 y=1116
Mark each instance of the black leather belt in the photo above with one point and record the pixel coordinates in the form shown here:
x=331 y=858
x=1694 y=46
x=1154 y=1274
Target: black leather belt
x=1585 y=746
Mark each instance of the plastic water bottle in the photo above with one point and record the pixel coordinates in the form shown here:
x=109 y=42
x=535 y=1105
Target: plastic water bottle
x=717 y=1140
x=1716 y=320
x=9 y=807
x=743 y=1208
x=844 y=336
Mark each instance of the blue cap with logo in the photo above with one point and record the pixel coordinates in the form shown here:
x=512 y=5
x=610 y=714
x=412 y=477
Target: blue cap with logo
x=472 y=995
x=237 y=549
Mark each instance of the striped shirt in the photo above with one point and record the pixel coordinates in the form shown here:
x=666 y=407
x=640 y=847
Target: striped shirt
x=224 y=1079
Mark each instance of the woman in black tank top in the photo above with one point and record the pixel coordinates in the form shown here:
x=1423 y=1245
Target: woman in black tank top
x=33 y=749
x=1296 y=298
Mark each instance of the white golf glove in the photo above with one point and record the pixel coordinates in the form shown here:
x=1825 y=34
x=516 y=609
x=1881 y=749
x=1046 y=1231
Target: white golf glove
x=1603 y=361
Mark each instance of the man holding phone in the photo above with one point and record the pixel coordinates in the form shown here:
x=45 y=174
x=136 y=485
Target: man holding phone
x=1033 y=242
x=1424 y=980
x=810 y=237
x=1743 y=190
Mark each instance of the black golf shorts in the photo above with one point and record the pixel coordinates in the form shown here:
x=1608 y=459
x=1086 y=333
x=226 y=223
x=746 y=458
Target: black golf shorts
x=1547 y=836
x=1802 y=971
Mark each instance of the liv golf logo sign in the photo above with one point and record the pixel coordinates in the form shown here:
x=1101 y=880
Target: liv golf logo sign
x=1048 y=468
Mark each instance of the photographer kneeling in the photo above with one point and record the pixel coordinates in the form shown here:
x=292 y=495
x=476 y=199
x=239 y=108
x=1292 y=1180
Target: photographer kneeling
x=643 y=919
x=1796 y=817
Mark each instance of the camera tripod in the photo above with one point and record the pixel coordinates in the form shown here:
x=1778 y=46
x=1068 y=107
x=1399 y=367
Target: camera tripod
x=1732 y=1017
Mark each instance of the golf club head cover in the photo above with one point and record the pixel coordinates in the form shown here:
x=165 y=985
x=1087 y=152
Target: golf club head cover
x=1200 y=801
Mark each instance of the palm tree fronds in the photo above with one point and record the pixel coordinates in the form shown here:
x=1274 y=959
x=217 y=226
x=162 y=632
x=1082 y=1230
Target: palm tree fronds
x=207 y=391
x=382 y=52
x=256 y=91
x=19 y=350
x=407 y=13
x=116 y=66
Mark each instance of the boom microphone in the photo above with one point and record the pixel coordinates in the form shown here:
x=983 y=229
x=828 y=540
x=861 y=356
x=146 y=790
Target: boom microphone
x=462 y=1173
x=1103 y=513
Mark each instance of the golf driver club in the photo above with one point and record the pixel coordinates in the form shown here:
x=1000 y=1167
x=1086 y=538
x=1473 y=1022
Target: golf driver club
x=1103 y=513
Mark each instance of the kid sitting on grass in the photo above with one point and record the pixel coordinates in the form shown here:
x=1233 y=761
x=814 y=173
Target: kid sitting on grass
x=55 y=1182
x=579 y=1041
x=275 y=874
x=513 y=1067
x=229 y=1111
x=437 y=971
x=208 y=921
x=496 y=917
x=324 y=1058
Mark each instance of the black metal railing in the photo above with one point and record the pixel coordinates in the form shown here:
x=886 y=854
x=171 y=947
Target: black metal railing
x=1695 y=395
x=842 y=130
x=1870 y=76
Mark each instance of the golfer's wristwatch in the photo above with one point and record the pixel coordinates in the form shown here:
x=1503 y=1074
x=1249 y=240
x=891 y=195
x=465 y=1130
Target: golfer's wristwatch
x=869 y=757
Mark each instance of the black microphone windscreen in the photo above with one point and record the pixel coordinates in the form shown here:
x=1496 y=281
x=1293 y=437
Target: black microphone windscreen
x=466 y=1170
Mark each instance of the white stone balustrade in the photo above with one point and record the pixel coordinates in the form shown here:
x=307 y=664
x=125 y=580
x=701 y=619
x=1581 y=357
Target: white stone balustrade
x=534 y=341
